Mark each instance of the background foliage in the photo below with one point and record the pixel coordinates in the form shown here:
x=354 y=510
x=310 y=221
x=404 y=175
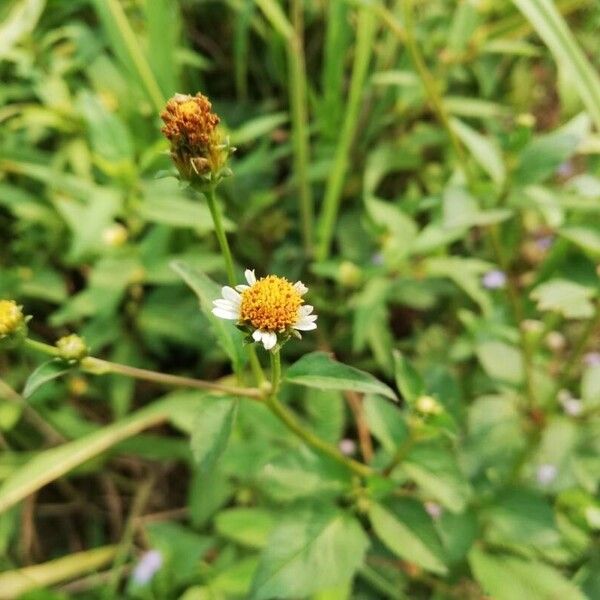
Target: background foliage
x=430 y=170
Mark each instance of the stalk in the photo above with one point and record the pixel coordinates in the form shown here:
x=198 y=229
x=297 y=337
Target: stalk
x=292 y=423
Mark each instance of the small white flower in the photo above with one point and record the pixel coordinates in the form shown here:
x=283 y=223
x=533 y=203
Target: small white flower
x=270 y=307
x=546 y=474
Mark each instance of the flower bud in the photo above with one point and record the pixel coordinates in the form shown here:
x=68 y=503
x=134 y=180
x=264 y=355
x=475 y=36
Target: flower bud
x=13 y=323
x=115 y=235
x=72 y=348
x=198 y=149
x=349 y=274
x=428 y=405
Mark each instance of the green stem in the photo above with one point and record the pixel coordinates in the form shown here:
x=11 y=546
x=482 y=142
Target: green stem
x=429 y=82
x=226 y=251
x=299 y=115
x=215 y=213
x=292 y=423
x=333 y=192
x=97 y=366
x=514 y=299
x=591 y=326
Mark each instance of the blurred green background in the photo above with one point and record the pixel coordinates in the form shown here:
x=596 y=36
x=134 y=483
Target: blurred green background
x=430 y=169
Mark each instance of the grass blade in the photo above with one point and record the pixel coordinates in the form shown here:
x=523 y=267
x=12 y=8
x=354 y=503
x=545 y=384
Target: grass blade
x=552 y=28
x=367 y=25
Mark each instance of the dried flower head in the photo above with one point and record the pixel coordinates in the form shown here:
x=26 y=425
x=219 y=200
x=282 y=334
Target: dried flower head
x=197 y=147
x=13 y=323
x=270 y=309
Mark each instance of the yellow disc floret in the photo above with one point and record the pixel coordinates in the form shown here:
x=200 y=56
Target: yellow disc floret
x=271 y=304
x=11 y=317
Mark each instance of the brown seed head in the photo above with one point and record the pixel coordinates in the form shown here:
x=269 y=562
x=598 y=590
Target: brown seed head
x=191 y=127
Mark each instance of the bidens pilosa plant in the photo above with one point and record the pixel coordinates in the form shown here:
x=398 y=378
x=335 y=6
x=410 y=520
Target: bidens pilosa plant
x=175 y=421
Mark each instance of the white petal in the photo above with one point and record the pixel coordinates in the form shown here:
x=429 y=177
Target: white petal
x=306 y=309
x=300 y=288
x=226 y=304
x=257 y=335
x=306 y=324
x=269 y=339
x=230 y=294
x=250 y=276
x=226 y=314
x=242 y=287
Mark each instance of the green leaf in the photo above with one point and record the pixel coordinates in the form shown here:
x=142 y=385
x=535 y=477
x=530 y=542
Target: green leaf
x=212 y=427
x=247 y=526
x=19 y=22
x=483 y=150
x=386 y=422
x=436 y=471
x=501 y=361
x=549 y=24
x=319 y=370
x=313 y=550
x=43 y=374
x=587 y=238
x=402 y=541
x=568 y=298
x=465 y=273
x=48 y=465
x=541 y=157
x=408 y=381
x=510 y=578
x=230 y=338
x=13 y=584
x=461 y=210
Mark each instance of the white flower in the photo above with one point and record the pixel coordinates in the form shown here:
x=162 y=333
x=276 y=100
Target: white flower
x=269 y=307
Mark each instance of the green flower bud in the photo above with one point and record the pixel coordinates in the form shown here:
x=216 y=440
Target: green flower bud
x=428 y=405
x=72 y=348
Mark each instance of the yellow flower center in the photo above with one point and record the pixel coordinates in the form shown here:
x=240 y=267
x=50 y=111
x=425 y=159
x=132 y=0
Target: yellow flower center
x=189 y=108
x=271 y=304
x=11 y=317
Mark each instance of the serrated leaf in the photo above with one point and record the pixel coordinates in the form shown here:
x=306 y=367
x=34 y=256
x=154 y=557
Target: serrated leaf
x=319 y=370
x=568 y=298
x=53 y=369
x=212 y=427
x=587 y=238
x=510 y=578
x=313 y=550
x=402 y=541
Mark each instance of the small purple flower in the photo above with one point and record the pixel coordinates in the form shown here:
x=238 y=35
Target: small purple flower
x=545 y=242
x=377 y=259
x=347 y=447
x=149 y=563
x=434 y=510
x=565 y=170
x=494 y=280
x=546 y=474
x=592 y=359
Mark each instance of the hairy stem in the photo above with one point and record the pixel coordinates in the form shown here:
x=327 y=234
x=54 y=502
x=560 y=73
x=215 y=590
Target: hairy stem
x=291 y=422
x=227 y=256
x=97 y=366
